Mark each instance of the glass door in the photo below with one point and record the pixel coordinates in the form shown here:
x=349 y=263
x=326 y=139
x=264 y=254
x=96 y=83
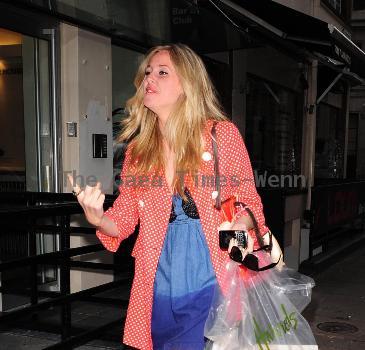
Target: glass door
x=27 y=116
x=41 y=137
x=28 y=145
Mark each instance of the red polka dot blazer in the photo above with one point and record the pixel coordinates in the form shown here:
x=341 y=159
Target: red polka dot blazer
x=151 y=204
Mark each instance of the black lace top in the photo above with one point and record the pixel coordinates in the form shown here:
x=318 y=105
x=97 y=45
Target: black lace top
x=188 y=206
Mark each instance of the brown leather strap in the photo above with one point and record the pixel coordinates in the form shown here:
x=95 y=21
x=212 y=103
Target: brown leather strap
x=218 y=200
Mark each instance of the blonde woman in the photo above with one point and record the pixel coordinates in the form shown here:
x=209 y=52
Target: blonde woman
x=166 y=187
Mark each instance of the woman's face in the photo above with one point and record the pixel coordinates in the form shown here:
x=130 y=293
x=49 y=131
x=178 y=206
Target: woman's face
x=162 y=86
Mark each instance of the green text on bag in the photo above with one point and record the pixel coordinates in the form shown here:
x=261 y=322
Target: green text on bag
x=266 y=336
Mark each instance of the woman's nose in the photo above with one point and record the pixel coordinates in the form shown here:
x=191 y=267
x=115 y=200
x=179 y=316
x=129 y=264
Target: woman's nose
x=150 y=79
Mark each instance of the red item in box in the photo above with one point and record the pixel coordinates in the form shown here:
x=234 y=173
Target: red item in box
x=228 y=209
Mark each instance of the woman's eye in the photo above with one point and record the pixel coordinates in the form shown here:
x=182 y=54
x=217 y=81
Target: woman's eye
x=147 y=73
x=161 y=72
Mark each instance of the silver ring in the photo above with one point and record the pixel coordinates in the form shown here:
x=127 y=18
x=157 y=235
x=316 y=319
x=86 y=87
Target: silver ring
x=76 y=193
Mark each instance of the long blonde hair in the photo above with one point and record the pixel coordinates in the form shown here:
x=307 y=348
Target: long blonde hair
x=184 y=128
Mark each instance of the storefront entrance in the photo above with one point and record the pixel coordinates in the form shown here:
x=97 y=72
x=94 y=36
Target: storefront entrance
x=28 y=141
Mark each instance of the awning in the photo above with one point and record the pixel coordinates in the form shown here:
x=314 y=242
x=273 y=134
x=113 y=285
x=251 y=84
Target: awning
x=297 y=32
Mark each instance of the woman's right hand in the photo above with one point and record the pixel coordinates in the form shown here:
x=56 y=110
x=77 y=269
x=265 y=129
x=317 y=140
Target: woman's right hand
x=91 y=200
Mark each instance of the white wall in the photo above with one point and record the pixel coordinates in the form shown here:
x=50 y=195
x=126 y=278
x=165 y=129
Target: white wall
x=86 y=87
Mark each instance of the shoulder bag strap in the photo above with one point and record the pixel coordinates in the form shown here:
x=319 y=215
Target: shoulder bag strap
x=218 y=200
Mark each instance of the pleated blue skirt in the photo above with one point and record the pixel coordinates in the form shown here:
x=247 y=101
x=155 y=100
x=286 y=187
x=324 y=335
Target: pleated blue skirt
x=184 y=285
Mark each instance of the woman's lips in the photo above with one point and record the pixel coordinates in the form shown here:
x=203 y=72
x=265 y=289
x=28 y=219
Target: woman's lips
x=150 y=89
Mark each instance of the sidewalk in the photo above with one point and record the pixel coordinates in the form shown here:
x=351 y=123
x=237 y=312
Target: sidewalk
x=45 y=330
x=336 y=313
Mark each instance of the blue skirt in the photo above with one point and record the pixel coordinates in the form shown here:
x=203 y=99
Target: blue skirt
x=184 y=285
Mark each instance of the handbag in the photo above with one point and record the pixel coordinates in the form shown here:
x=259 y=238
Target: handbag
x=259 y=310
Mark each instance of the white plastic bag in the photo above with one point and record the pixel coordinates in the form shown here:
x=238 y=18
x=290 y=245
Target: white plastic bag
x=260 y=310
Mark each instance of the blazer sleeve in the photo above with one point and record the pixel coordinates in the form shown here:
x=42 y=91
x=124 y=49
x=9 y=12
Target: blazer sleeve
x=236 y=166
x=124 y=211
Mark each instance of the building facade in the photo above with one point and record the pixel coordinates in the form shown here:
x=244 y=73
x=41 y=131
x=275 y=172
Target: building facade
x=288 y=73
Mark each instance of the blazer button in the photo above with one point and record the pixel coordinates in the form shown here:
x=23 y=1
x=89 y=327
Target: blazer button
x=214 y=194
x=141 y=203
x=206 y=156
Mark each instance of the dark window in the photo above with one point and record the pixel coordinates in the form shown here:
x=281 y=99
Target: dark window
x=330 y=136
x=221 y=76
x=125 y=64
x=352 y=145
x=341 y=8
x=336 y=5
x=273 y=127
x=358 y=5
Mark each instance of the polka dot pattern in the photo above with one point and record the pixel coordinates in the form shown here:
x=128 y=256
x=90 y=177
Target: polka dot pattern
x=154 y=218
